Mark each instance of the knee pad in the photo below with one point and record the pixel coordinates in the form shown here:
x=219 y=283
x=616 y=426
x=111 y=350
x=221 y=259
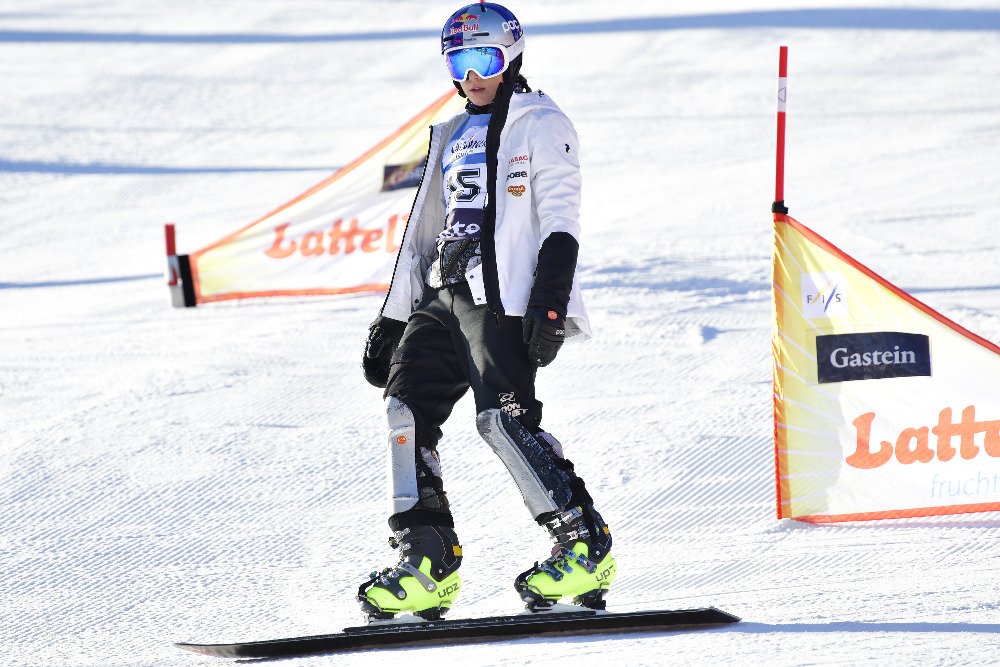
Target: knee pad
x=402 y=455
x=415 y=484
x=545 y=485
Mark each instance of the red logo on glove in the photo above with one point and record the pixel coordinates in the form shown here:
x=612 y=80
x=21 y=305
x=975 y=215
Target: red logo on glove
x=553 y=315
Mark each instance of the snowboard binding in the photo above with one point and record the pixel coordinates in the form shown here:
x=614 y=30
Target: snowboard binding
x=581 y=566
x=567 y=573
x=424 y=583
x=388 y=579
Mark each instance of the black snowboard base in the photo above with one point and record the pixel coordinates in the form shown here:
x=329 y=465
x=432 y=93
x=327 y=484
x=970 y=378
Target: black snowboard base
x=457 y=631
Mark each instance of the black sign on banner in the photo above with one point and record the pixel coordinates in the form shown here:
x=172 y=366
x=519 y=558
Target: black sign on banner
x=872 y=356
x=399 y=176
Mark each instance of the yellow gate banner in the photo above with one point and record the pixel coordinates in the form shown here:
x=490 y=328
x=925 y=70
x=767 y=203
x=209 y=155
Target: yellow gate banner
x=883 y=407
x=338 y=237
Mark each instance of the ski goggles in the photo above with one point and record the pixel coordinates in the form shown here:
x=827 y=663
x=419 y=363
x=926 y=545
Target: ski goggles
x=486 y=61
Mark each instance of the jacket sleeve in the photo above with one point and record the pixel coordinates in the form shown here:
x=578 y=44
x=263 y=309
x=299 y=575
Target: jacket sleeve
x=555 y=175
x=406 y=284
x=555 y=272
x=555 y=184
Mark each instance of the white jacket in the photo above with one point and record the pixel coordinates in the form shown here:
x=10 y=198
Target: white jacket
x=538 y=193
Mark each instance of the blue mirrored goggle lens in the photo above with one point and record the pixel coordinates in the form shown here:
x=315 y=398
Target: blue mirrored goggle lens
x=486 y=61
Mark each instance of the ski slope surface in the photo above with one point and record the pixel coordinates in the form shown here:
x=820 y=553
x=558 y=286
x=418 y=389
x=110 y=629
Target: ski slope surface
x=217 y=473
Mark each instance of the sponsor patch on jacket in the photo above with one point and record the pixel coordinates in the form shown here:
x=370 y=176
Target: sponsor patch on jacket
x=872 y=356
x=516 y=190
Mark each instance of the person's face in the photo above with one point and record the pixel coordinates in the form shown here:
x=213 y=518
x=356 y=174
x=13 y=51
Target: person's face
x=481 y=91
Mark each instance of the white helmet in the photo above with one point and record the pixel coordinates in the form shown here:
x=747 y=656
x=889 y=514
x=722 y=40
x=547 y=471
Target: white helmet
x=483 y=37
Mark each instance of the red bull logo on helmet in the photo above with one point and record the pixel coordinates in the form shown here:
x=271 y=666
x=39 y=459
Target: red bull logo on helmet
x=465 y=23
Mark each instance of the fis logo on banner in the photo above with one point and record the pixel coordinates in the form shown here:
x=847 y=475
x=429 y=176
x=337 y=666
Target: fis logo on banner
x=872 y=356
x=823 y=295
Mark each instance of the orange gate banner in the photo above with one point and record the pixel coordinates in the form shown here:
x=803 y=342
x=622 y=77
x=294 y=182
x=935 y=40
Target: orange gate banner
x=883 y=407
x=338 y=237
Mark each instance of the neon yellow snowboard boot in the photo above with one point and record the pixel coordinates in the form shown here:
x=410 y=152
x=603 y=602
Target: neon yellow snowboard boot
x=581 y=566
x=424 y=583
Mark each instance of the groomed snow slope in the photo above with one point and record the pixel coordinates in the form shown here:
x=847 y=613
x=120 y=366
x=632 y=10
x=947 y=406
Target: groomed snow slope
x=216 y=473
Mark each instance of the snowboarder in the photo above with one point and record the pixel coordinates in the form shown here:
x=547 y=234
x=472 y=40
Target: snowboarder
x=483 y=293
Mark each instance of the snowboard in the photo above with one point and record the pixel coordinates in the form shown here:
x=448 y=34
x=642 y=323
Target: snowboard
x=456 y=631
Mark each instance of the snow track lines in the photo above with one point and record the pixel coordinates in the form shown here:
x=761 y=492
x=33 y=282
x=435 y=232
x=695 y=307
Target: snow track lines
x=219 y=474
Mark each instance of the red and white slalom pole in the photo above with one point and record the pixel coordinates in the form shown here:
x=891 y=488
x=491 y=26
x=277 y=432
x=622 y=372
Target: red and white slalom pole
x=779 y=174
x=173 y=276
x=178 y=272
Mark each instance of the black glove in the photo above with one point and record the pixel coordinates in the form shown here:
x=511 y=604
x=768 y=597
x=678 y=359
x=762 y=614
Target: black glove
x=543 y=324
x=544 y=332
x=383 y=339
